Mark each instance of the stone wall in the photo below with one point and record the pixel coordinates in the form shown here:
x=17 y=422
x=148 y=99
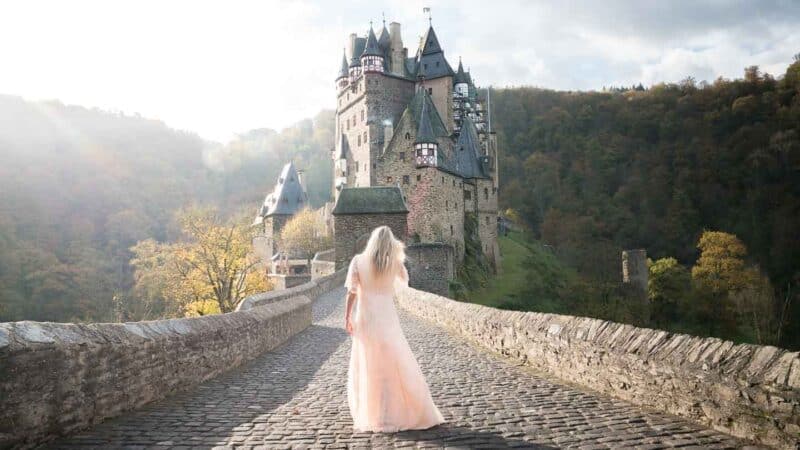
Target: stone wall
x=436 y=208
x=324 y=262
x=281 y=281
x=430 y=267
x=748 y=391
x=56 y=378
x=311 y=289
x=350 y=227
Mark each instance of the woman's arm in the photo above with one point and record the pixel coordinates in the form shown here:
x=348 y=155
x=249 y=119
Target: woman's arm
x=348 y=324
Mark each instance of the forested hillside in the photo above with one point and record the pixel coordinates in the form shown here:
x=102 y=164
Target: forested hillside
x=589 y=173
x=80 y=187
x=593 y=173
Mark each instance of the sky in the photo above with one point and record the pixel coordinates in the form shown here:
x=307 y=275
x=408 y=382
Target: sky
x=224 y=67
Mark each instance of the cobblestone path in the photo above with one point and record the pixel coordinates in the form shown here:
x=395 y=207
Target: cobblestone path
x=294 y=397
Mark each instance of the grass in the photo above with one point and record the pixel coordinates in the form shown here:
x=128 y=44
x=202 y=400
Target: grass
x=512 y=288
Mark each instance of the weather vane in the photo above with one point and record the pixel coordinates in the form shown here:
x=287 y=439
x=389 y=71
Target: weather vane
x=427 y=10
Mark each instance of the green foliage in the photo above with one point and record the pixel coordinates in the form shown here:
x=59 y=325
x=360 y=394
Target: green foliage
x=81 y=186
x=593 y=173
x=475 y=270
x=668 y=287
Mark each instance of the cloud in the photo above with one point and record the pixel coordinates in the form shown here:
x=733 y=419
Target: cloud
x=222 y=68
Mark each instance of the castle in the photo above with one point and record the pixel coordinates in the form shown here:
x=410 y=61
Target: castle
x=415 y=123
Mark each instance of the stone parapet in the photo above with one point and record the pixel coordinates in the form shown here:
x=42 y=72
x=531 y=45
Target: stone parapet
x=56 y=378
x=749 y=391
x=311 y=289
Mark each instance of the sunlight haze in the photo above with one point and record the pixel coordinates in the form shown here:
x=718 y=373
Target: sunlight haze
x=221 y=68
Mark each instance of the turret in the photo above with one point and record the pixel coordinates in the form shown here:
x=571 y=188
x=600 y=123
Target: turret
x=372 y=58
x=461 y=81
x=425 y=145
x=344 y=71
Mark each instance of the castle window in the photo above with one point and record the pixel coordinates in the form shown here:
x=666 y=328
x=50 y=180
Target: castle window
x=408 y=135
x=374 y=165
x=486 y=193
x=451 y=230
x=467 y=195
x=362 y=115
x=430 y=91
x=356 y=167
x=419 y=177
x=365 y=137
x=403 y=156
x=406 y=179
x=454 y=183
x=446 y=204
x=425 y=66
x=442 y=180
x=359 y=140
x=487 y=220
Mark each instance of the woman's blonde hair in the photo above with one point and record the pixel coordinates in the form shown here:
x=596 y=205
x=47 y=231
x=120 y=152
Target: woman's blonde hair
x=384 y=250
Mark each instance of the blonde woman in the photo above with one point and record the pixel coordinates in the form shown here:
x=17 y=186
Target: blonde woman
x=386 y=390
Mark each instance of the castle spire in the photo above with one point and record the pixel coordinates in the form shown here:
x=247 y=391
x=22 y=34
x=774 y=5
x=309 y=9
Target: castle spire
x=372 y=48
x=430 y=43
x=343 y=70
x=461 y=76
x=372 y=58
x=425 y=129
x=426 y=148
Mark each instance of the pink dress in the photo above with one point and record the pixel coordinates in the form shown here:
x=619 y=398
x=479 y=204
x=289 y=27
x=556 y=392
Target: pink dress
x=386 y=390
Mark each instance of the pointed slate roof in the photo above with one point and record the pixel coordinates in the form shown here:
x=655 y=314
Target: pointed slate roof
x=343 y=70
x=431 y=62
x=424 y=128
x=344 y=148
x=371 y=48
x=383 y=39
x=422 y=101
x=430 y=43
x=288 y=197
x=461 y=76
x=468 y=152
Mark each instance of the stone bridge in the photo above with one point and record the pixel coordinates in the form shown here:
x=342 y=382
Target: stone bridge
x=272 y=375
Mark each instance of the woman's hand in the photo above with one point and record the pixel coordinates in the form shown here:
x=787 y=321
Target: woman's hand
x=348 y=326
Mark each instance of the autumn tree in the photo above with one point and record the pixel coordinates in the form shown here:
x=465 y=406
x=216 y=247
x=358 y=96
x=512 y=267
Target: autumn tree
x=210 y=270
x=304 y=234
x=719 y=273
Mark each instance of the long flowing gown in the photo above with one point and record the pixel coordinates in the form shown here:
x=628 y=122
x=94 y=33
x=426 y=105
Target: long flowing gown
x=386 y=389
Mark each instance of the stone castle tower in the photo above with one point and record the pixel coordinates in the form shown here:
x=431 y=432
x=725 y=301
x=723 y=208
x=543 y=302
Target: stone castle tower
x=414 y=122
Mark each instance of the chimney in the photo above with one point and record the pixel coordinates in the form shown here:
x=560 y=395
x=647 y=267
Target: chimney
x=351 y=47
x=388 y=131
x=397 y=55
